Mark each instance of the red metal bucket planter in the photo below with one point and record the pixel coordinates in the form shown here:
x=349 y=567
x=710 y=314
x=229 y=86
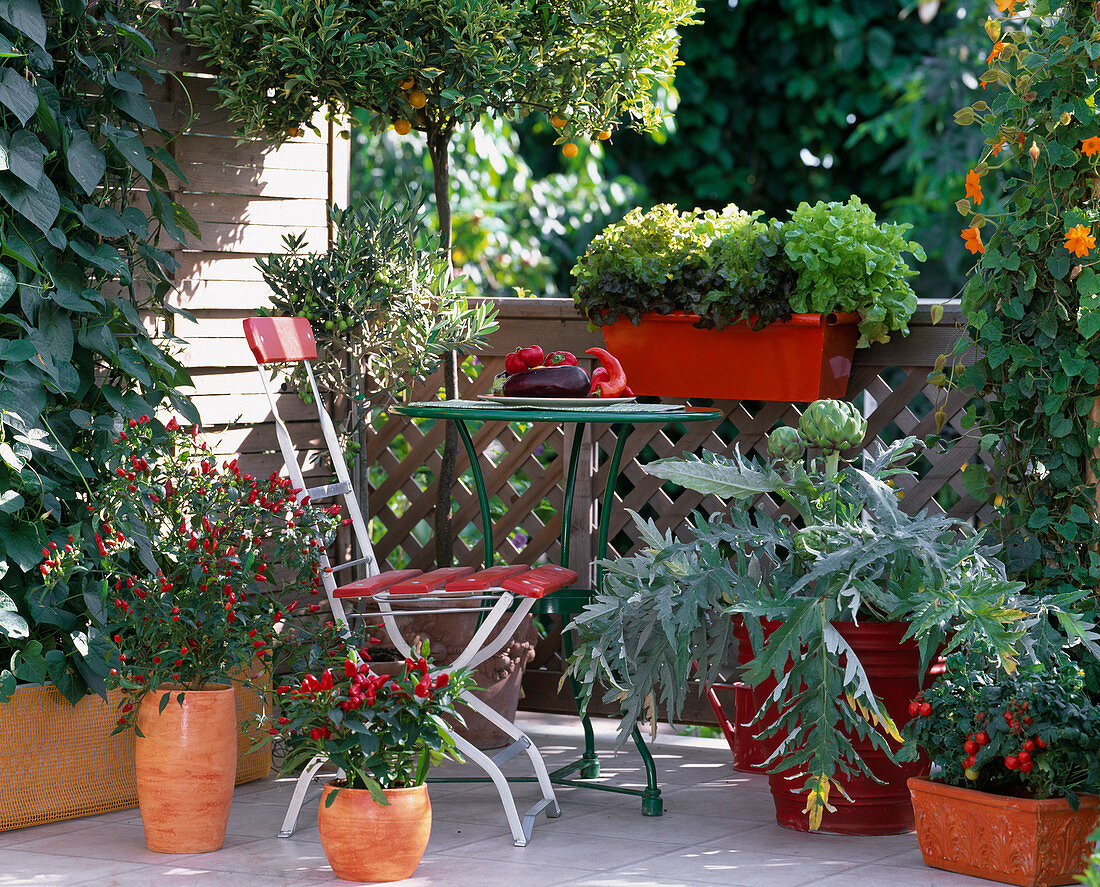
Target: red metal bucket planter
x=874 y=809
x=800 y=360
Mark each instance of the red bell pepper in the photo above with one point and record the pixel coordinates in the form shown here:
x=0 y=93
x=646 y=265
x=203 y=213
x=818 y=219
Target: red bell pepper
x=513 y=364
x=531 y=355
x=616 y=381
x=561 y=358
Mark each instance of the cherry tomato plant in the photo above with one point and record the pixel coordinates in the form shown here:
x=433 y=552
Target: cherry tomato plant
x=1034 y=732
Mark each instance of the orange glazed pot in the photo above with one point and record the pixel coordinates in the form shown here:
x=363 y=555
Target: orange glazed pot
x=1012 y=840
x=799 y=360
x=365 y=841
x=185 y=758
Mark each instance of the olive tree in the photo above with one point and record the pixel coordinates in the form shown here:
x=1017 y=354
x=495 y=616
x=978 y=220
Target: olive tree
x=430 y=66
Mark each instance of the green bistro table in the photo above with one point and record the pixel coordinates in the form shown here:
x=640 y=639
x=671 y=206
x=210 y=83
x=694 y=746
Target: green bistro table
x=568 y=602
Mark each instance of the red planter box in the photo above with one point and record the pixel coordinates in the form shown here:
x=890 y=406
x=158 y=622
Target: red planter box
x=800 y=360
x=1018 y=841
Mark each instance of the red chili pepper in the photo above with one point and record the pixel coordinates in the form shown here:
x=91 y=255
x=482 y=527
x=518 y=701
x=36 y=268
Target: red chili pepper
x=617 y=378
x=531 y=356
x=599 y=375
x=560 y=359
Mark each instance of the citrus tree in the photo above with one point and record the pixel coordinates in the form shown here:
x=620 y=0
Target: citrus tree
x=429 y=66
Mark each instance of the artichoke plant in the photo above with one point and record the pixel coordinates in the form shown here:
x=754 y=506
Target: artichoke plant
x=852 y=555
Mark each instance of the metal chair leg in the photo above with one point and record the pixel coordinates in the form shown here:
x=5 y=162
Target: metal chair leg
x=290 y=821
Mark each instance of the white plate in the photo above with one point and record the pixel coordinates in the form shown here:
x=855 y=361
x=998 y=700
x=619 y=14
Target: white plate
x=549 y=402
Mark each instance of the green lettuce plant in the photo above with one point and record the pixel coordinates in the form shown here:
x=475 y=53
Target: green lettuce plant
x=731 y=266
x=846 y=261
x=852 y=555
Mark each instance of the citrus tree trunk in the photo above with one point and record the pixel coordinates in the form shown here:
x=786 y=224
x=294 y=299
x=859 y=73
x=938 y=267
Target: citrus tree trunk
x=439 y=140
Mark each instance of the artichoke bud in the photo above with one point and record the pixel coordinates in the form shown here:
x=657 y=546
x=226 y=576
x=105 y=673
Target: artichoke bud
x=786 y=444
x=832 y=425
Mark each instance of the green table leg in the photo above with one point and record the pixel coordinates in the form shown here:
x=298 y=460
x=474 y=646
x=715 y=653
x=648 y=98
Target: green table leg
x=479 y=485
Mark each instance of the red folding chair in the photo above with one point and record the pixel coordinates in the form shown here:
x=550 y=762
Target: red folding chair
x=500 y=593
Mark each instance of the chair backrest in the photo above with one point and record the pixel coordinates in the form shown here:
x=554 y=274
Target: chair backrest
x=280 y=339
x=291 y=340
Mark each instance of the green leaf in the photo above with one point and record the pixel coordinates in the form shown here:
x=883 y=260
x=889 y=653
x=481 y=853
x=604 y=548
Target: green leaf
x=26 y=156
x=136 y=106
x=7 y=284
x=39 y=204
x=86 y=164
x=7 y=685
x=12 y=625
x=26 y=17
x=18 y=96
x=58 y=668
x=10 y=502
x=104 y=220
x=132 y=149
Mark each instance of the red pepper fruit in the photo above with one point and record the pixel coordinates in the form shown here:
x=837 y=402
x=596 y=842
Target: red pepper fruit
x=617 y=378
x=599 y=375
x=513 y=363
x=532 y=356
x=561 y=359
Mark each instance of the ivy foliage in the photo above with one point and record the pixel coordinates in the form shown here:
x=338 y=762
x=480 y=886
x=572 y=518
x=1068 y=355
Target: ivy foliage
x=586 y=60
x=85 y=221
x=1033 y=300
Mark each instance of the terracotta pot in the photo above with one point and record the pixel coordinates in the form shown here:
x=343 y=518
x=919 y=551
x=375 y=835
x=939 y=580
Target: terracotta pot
x=185 y=759
x=799 y=360
x=1012 y=840
x=364 y=841
x=874 y=808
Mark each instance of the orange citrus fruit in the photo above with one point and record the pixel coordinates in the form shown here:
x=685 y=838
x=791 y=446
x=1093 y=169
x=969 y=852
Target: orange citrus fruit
x=557 y=120
x=418 y=99
x=407 y=83
x=569 y=149
x=605 y=135
x=294 y=132
x=402 y=126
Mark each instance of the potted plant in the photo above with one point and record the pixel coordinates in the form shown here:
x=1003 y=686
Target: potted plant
x=863 y=597
x=383 y=731
x=779 y=306
x=1018 y=758
x=181 y=547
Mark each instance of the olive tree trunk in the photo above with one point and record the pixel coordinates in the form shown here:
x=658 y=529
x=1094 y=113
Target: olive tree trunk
x=439 y=139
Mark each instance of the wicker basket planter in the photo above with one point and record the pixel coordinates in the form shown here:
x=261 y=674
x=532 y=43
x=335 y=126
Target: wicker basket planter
x=59 y=761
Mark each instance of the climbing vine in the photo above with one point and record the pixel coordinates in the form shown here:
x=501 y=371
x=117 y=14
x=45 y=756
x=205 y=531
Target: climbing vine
x=86 y=220
x=1033 y=300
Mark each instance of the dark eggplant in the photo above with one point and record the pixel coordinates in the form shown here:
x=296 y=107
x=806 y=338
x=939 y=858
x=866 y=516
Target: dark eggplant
x=559 y=381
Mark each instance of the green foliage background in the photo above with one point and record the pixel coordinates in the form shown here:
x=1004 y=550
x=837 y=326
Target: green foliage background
x=866 y=88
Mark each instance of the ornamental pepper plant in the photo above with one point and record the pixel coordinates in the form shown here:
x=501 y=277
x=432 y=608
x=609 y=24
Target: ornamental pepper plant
x=181 y=554
x=1035 y=732
x=383 y=730
x=1032 y=302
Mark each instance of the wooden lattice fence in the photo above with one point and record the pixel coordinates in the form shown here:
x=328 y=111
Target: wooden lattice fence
x=524 y=463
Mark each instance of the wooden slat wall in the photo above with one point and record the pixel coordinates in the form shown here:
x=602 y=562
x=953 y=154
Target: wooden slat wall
x=245 y=196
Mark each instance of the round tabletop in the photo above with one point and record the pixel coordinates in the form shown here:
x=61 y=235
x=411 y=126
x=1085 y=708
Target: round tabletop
x=628 y=413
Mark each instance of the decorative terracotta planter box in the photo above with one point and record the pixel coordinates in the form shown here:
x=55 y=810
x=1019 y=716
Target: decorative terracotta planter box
x=58 y=761
x=800 y=360
x=1018 y=841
